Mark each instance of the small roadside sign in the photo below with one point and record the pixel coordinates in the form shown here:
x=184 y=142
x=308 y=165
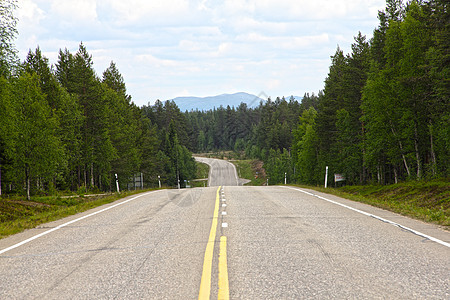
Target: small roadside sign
x=338 y=177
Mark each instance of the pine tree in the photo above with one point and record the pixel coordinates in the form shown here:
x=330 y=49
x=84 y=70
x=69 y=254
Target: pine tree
x=329 y=104
x=114 y=80
x=305 y=148
x=64 y=108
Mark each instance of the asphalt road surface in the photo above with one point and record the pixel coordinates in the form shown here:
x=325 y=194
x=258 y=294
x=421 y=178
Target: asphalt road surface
x=221 y=172
x=281 y=243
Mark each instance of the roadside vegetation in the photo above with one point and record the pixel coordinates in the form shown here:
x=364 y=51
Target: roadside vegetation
x=18 y=214
x=426 y=201
x=202 y=173
x=381 y=121
x=251 y=170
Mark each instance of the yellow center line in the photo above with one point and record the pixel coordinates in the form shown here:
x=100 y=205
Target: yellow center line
x=205 y=284
x=223 y=293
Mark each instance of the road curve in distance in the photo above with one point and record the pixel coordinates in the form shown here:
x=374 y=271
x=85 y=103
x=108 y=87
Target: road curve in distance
x=221 y=172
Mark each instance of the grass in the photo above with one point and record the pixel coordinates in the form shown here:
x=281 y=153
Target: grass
x=251 y=170
x=202 y=173
x=428 y=201
x=18 y=214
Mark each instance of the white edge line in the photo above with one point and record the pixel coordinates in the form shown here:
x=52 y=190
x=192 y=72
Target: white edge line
x=375 y=216
x=70 y=222
x=235 y=173
x=199 y=159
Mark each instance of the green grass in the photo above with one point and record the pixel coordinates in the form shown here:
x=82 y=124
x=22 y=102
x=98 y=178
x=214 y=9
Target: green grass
x=202 y=173
x=18 y=214
x=251 y=170
x=427 y=201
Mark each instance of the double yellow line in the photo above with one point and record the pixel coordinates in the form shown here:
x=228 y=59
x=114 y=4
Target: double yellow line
x=205 y=284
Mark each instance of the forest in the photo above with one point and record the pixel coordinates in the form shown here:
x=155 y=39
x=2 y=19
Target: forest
x=65 y=128
x=382 y=117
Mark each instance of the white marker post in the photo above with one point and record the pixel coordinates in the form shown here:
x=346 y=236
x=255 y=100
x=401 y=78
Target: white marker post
x=285 y=174
x=159 y=181
x=326 y=176
x=117 y=183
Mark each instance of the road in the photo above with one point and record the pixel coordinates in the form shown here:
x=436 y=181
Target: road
x=221 y=172
x=281 y=243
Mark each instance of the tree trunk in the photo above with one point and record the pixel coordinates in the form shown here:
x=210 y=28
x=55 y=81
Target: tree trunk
x=27 y=181
x=401 y=150
x=92 y=174
x=78 y=176
x=379 y=174
x=85 y=177
x=416 y=147
x=433 y=155
x=395 y=175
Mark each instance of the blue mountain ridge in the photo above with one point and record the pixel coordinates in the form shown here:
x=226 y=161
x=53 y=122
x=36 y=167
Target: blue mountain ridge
x=211 y=102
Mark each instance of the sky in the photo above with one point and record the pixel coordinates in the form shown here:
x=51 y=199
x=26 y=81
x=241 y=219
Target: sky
x=170 y=48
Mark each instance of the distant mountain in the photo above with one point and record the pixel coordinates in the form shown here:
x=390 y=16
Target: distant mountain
x=208 y=103
x=298 y=98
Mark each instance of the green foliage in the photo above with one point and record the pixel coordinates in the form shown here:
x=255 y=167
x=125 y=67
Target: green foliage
x=401 y=102
x=305 y=148
x=428 y=201
x=67 y=129
x=278 y=166
x=38 y=152
x=383 y=116
x=16 y=215
x=8 y=32
x=7 y=126
x=251 y=170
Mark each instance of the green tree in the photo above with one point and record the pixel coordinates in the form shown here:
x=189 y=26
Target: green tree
x=349 y=148
x=76 y=74
x=64 y=108
x=7 y=123
x=114 y=80
x=38 y=152
x=305 y=148
x=8 y=32
x=330 y=103
x=148 y=144
x=278 y=165
x=438 y=66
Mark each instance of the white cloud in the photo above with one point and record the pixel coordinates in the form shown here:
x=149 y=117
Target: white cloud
x=75 y=11
x=314 y=10
x=133 y=12
x=154 y=61
x=29 y=12
x=201 y=47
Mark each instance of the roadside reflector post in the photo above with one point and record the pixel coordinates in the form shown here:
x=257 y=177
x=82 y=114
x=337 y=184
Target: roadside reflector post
x=326 y=176
x=117 y=183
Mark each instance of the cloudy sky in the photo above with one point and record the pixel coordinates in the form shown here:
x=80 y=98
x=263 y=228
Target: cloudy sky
x=170 y=48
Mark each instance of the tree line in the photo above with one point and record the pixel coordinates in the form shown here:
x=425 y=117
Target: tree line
x=383 y=115
x=65 y=128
